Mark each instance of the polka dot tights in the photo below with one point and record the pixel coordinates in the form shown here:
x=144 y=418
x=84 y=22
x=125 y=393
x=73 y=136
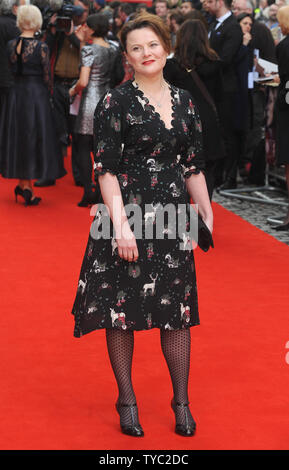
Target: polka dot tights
x=175 y=345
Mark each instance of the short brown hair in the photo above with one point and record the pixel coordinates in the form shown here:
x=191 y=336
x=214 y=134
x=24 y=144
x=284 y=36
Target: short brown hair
x=147 y=20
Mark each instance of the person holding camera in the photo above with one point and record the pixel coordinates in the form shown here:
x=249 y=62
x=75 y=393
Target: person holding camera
x=64 y=49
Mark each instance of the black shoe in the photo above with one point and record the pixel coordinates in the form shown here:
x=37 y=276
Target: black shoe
x=18 y=192
x=229 y=184
x=135 y=428
x=27 y=194
x=281 y=227
x=187 y=429
x=44 y=183
x=88 y=199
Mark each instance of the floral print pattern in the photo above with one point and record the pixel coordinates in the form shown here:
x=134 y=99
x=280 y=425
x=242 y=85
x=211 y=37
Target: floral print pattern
x=151 y=163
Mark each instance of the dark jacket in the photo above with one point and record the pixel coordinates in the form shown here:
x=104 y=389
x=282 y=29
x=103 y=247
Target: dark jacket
x=226 y=41
x=210 y=73
x=8 y=31
x=55 y=43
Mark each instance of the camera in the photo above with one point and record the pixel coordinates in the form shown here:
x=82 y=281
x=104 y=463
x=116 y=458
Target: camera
x=65 y=10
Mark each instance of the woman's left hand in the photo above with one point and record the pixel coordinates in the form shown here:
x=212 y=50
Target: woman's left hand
x=71 y=92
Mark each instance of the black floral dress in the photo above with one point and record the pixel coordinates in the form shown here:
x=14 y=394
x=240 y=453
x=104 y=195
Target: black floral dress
x=151 y=163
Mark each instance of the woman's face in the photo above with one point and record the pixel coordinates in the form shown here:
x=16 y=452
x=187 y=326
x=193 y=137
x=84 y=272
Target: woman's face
x=145 y=52
x=246 y=24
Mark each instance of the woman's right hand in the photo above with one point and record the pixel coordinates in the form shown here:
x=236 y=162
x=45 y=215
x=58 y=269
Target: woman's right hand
x=126 y=244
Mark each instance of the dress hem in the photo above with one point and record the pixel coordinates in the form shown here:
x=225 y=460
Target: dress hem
x=80 y=334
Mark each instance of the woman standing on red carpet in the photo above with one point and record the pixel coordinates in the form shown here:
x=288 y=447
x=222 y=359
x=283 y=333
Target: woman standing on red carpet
x=148 y=154
x=29 y=145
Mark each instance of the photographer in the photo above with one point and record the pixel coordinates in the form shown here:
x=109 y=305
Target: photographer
x=65 y=54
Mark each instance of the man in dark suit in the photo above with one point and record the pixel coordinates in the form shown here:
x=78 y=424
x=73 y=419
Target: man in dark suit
x=226 y=38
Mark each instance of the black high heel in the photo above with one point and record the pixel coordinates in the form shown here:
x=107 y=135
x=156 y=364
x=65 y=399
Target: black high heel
x=187 y=429
x=281 y=227
x=135 y=429
x=27 y=194
x=18 y=191
x=89 y=198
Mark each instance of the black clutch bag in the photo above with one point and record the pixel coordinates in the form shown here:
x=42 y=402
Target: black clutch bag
x=205 y=239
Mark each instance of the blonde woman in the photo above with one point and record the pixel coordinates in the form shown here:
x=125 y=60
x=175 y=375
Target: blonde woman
x=29 y=144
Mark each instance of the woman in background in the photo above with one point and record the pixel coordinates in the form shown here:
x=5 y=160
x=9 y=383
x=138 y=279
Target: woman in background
x=281 y=114
x=29 y=145
x=101 y=69
x=195 y=67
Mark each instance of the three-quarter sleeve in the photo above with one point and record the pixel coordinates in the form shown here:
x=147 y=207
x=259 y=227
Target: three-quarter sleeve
x=192 y=159
x=108 y=132
x=86 y=56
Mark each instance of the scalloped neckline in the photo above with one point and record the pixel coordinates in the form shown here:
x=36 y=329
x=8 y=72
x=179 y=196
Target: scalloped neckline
x=153 y=109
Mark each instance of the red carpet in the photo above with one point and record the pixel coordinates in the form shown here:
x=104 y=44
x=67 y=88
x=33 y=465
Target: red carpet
x=58 y=392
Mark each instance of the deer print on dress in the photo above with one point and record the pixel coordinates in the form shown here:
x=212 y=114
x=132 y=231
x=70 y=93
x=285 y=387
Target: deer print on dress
x=150 y=216
x=118 y=319
x=149 y=288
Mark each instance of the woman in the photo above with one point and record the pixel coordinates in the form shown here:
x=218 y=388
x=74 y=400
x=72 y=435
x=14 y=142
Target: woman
x=244 y=100
x=30 y=148
x=147 y=136
x=281 y=114
x=195 y=67
x=101 y=68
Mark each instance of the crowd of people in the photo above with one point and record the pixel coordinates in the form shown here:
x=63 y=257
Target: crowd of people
x=215 y=51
